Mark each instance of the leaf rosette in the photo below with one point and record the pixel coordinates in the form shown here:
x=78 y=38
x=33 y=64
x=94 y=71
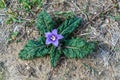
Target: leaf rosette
x=71 y=47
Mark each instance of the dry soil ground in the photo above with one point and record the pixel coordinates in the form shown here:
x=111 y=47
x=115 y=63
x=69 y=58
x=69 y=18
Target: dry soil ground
x=103 y=64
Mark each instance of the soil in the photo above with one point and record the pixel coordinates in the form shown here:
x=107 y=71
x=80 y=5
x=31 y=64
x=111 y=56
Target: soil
x=103 y=64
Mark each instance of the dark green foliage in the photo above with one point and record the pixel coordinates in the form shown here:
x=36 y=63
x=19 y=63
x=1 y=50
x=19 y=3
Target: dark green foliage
x=54 y=56
x=73 y=48
x=44 y=22
x=69 y=26
x=78 y=48
x=34 y=49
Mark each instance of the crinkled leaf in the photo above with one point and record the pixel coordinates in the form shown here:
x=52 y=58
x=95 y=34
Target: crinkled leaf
x=34 y=49
x=78 y=48
x=44 y=22
x=54 y=56
x=69 y=26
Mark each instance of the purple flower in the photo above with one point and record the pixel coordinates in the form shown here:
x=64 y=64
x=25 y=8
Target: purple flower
x=53 y=37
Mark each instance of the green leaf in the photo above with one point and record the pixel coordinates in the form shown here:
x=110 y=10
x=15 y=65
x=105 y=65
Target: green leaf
x=54 y=56
x=78 y=48
x=44 y=22
x=34 y=49
x=20 y=1
x=69 y=26
x=2 y=4
x=28 y=5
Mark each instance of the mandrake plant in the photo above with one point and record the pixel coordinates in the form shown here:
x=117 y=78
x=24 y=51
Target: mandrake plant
x=56 y=41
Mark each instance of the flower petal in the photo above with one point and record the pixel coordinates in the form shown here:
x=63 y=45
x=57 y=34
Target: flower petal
x=47 y=34
x=59 y=36
x=55 y=43
x=54 y=31
x=48 y=41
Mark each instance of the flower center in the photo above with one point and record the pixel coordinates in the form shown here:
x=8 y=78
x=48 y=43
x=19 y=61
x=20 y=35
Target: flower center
x=53 y=38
